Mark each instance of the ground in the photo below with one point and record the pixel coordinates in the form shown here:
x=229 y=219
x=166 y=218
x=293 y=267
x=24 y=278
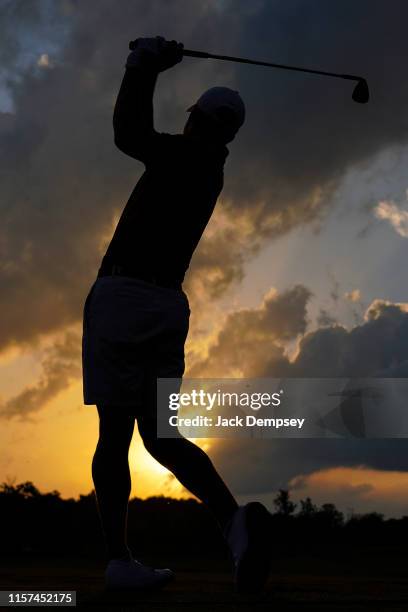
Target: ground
x=375 y=581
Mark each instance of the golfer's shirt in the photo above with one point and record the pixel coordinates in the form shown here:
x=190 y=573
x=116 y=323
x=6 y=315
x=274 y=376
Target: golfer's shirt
x=174 y=199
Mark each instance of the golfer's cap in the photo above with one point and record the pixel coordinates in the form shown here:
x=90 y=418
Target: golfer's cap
x=222 y=104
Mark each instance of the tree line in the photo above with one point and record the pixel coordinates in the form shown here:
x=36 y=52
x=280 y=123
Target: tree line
x=33 y=522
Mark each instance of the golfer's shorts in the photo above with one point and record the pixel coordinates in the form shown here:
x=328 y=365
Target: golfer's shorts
x=133 y=333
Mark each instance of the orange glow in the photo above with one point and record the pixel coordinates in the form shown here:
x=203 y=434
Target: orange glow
x=360 y=487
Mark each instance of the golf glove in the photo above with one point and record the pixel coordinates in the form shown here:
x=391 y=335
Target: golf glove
x=156 y=53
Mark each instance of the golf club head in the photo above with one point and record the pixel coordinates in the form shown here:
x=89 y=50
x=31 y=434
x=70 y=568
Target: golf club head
x=361 y=92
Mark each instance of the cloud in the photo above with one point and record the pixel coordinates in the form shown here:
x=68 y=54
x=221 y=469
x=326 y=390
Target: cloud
x=396 y=217
x=61 y=365
x=64 y=181
x=307 y=130
x=376 y=347
x=325 y=319
x=363 y=351
x=335 y=479
x=26 y=27
x=353 y=296
x=251 y=339
x=357 y=489
x=44 y=61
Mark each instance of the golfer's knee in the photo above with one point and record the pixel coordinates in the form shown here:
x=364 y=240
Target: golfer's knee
x=174 y=452
x=115 y=428
x=158 y=449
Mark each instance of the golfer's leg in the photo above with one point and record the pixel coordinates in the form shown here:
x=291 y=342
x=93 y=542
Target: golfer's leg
x=192 y=467
x=111 y=476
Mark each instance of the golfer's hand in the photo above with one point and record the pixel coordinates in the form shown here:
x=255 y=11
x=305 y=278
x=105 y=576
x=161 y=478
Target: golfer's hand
x=156 y=53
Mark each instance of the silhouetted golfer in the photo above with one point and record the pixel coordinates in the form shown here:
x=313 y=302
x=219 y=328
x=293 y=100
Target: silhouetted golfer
x=136 y=315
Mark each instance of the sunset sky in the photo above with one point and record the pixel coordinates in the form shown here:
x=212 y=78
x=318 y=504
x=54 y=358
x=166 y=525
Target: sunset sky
x=302 y=269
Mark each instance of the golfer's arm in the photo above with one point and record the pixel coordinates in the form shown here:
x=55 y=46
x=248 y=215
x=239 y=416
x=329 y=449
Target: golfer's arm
x=133 y=114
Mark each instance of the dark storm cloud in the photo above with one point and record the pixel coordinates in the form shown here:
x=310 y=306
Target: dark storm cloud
x=63 y=181
x=378 y=347
x=381 y=342
x=61 y=365
x=305 y=130
x=325 y=319
x=252 y=338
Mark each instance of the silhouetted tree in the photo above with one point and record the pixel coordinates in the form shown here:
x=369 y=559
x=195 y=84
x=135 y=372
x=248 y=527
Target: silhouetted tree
x=330 y=516
x=283 y=503
x=24 y=489
x=33 y=522
x=307 y=508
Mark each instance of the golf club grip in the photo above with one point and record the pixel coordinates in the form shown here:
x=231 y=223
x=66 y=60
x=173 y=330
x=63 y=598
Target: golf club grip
x=188 y=52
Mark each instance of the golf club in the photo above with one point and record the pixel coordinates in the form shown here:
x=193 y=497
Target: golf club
x=360 y=94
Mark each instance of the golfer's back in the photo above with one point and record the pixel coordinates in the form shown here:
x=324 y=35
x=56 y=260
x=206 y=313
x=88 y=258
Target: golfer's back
x=169 y=207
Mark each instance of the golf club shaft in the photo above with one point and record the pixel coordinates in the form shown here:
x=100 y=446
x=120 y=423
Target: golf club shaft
x=242 y=60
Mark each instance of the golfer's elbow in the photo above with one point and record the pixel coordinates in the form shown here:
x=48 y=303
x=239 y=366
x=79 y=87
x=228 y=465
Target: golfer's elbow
x=122 y=143
x=135 y=147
